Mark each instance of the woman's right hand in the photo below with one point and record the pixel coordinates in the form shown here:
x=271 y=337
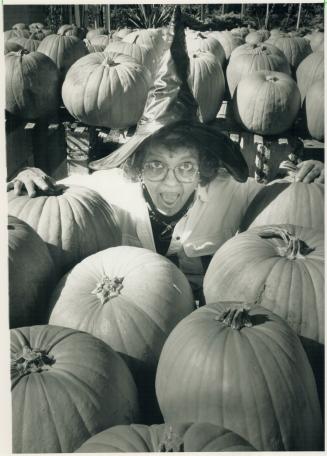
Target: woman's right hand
x=31 y=179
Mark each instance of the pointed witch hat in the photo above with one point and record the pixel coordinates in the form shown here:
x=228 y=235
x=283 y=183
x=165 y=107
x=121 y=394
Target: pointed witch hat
x=170 y=103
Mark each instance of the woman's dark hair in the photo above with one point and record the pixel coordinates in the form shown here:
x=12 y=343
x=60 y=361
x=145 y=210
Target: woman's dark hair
x=188 y=136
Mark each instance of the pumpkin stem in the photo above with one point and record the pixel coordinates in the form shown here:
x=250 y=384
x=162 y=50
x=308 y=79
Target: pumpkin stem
x=237 y=317
x=292 y=247
x=32 y=360
x=108 y=61
x=135 y=39
x=171 y=442
x=199 y=35
x=108 y=288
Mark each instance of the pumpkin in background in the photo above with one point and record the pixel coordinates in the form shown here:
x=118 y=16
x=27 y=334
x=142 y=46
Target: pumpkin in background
x=280 y=267
x=310 y=70
x=228 y=41
x=316 y=39
x=31 y=275
x=18 y=33
x=47 y=32
x=257 y=37
x=20 y=26
x=106 y=89
x=242 y=369
x=36 y=26
x=249 y=58
x=152 y=38
x=60 y=398
x=75 y=222
x=284 y=201
x=129 y=297
x=12 y=46
x=30 y=44
x=315 y=110
x=94 y=32
x=63 y=50
x=72 y=30
x=266 y=102
x=177 y=437
x=241 y=31
x=142 y=54
x=32 y=85
x=207 y=82
x=200 y=42
x=121 y=33
x=99 y=42
x=295 y=48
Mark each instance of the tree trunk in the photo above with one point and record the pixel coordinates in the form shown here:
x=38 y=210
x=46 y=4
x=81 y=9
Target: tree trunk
x=298 y=16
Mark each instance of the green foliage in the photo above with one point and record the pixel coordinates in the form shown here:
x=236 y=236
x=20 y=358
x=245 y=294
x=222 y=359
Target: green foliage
x=150 y=16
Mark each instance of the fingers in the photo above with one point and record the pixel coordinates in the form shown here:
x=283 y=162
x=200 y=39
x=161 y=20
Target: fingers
x=303 y=169
x=10 y=185
x=29 y=185
x=18 y=185
x=320 y=179
x=311 y=176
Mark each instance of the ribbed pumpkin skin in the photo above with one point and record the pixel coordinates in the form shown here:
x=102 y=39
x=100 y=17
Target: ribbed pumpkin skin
x=74 y=224
x=22 y=33
x=100 y=42
x=256 y=381
x=12 y=46
x=316 y=39
x=155 y=296
x=186 y=437
x=207 y=82
x=315 y=109
x=143 y=55
x=95 y=32
x=256 y=37
x=199 y=42
x=286 y=202
x=249 y=58
x=32 y=85
x=63 y=50
x=228 y=41
x=31 y=275
x=266 y=102
x=309 y=71
x=295 y=48
x=72 y=400
x=251 y=268
x=106 y=89
x=31 y=43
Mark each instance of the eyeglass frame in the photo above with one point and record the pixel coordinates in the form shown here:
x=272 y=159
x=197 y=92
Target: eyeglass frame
x=167 y=168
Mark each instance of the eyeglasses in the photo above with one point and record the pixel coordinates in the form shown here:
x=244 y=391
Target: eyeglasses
x=157 y=171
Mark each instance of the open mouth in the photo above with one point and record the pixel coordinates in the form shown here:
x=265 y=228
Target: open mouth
x=169 y=198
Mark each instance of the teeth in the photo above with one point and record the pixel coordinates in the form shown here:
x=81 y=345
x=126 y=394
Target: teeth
x=169 y=198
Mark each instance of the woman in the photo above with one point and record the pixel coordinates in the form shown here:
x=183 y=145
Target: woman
x=179 y=187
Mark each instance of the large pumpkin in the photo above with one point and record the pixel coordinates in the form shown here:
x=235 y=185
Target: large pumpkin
x=142 y=54
x=66 y=386
x=32 y=85
x=106 y=89
x=315 y=109
x=242 y=369
x=12 y=46
x=31 y=275
x=280 y=267
x=129 y=297
x=249 y=58
x=200 y=42
x=257 y=37
x=95 y=32
x=30 y=44
x=75 y=222
x=310 y=70
x=295 y=48
x=228 y=41
x=266 y=102
x=316 y=39
x=284 y=201
x=177 y=437
x=100 y=42
x=72 y=30
x=207 y=82
x=17 y=33
x=63 y=50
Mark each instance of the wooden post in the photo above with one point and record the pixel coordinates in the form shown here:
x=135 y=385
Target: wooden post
x=70 y=13
x=108 y=18
x=201 y=13
x=267 y=16
x=77 y=16
x=242 y=10
x=298 y=16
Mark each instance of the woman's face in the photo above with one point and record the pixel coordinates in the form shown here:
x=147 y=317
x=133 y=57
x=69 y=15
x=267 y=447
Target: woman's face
x=169 y=194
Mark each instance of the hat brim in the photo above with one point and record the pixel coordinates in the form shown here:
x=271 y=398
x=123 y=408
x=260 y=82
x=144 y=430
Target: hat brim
x=227 y=151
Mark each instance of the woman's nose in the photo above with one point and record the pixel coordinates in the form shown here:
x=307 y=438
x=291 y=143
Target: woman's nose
x=170 y=179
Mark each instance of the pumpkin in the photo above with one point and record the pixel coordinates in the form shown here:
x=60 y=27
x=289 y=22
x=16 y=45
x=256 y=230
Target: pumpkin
x=59 y=397
x=152 y=38
x=280 y=267
x=142 y=54
x=177 y=437
x=63 y=50
x=284 y=201
x=200 y=42
x=94 y=32
x=30 y=44
x=310 y=70
x=244 y=369
x=241 y=31
x=266 y=102
x=31 y=275
x=129 y=297
x=32 y=85
x=19 y=26
x=124 y=87
x=316 y=40
x=207 y=82
x=228 y=41
x=257 y=37
x=100 y=42
x=72 y=30
x=74 y=222
x=249 y=58
x=295 y=48
x=121 y=33
x=315 y=110
x=36 y=26
x=12 y=46
x=17 y=33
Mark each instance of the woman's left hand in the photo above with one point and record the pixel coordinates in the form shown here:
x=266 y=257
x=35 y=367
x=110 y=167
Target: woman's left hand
x=310 y=171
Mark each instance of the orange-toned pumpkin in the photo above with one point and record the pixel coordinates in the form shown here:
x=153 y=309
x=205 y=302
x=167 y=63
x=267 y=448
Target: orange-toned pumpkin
x=183 y=437
x=242 y=369
x=66 y=386
x=74 y=222
x=106 y=89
